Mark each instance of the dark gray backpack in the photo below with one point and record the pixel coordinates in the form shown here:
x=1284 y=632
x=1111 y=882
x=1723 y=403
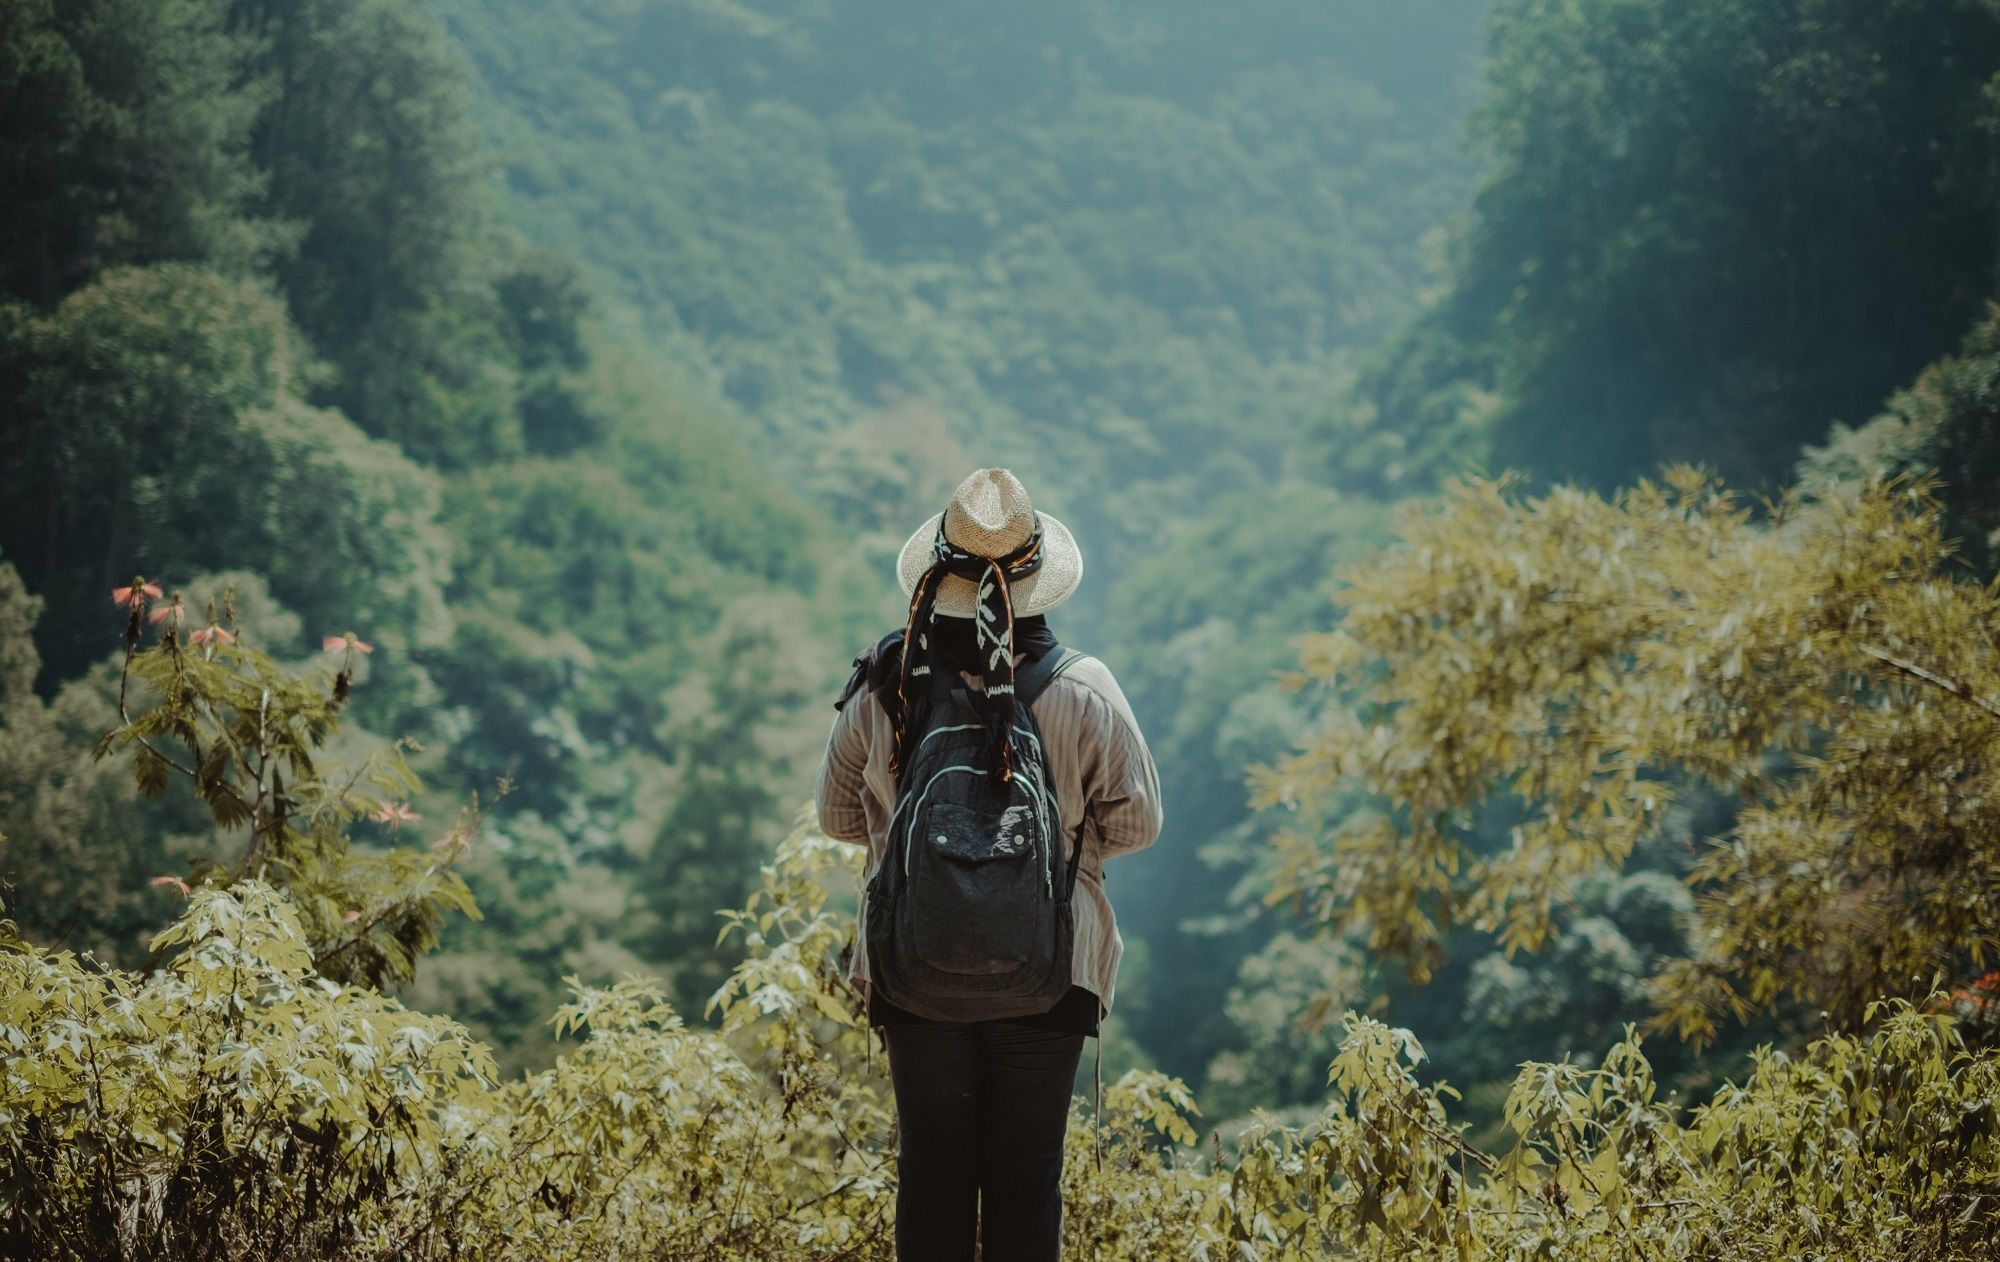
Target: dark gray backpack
x=969 y=912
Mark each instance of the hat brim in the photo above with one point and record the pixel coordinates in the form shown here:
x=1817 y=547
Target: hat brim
x=1062 y=570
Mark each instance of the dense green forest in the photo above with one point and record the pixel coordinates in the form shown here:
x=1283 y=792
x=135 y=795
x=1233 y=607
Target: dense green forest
x=791 y=279
x=269 y=329
x=497 y=421
x=1123 y=248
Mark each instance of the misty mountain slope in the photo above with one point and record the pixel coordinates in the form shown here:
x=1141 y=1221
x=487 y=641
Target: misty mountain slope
x=1128 y=249
x=1123 y=247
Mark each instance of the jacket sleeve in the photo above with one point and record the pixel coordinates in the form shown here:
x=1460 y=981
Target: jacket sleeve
x=1122 y=785
x=837 y=792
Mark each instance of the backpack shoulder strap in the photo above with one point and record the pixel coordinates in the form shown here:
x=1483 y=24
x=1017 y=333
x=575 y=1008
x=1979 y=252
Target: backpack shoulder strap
x=874 y=666
x=1040 y=673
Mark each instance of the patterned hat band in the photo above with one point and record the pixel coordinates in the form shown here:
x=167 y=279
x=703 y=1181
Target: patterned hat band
x=1016 y=565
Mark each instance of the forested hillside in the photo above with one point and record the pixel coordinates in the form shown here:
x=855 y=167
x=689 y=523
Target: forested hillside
x=1680 y=249
x=1120 y=246
x=1124 y=248
x=581 y=322
x=267 y=329
x=1536 y=462
x=1725 y=225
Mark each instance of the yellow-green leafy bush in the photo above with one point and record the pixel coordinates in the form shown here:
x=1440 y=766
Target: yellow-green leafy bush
x=1586 y=660
x=235 y=1105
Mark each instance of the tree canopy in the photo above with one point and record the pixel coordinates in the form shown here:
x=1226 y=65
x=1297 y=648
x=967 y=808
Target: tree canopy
x=490 y=411
x=1583 y=659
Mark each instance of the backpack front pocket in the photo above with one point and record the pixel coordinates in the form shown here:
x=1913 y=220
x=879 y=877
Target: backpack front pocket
x=972 y=907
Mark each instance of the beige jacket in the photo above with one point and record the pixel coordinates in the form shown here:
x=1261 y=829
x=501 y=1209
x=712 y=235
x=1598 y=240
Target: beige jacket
x=1103 y=774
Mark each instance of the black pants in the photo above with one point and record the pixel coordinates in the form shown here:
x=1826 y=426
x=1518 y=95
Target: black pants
x=981 y=1110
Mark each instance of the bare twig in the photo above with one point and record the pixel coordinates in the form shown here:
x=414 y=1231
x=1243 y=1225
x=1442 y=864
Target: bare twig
x=1952 y=686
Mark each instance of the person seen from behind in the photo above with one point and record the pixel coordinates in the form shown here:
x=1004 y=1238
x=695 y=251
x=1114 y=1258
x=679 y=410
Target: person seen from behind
x=990 y=771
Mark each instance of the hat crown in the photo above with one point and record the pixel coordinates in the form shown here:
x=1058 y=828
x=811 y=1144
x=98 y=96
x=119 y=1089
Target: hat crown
x=990 y=514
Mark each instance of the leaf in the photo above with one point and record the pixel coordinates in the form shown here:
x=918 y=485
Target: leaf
x=149 y=771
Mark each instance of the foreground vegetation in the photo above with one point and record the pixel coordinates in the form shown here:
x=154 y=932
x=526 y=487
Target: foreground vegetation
x=252 y=1090
x=237 y=1105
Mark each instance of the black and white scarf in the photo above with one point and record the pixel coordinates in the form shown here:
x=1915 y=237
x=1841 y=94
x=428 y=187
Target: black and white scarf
x=993 y=632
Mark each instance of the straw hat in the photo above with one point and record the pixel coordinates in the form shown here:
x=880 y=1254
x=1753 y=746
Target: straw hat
x=990 y=515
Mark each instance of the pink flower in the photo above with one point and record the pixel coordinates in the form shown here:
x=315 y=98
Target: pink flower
x=208 y=634
x=394 y=814
x=165 y=612
x=335 y=643
x=456 y=842
x=131 y=596
x=171 y=882
x=351 y=914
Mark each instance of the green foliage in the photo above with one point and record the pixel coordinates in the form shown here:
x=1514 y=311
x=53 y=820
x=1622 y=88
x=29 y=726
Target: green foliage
x=1117 y=245
x=1682 y=249
x=124 y=129
x=156 y=417
x=1419 y=409
x=367 y=145
x=324 y=1119
x=244 y=734
x=235 y=1105
x=1206 y=624
x=542 y=307
x=640 y=627
x=1679 y=250
x=1605 y=945
x=1588 y=658
x=402 y=419
x=1281 y=1030
x=61 y=880
x=1945 y=424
